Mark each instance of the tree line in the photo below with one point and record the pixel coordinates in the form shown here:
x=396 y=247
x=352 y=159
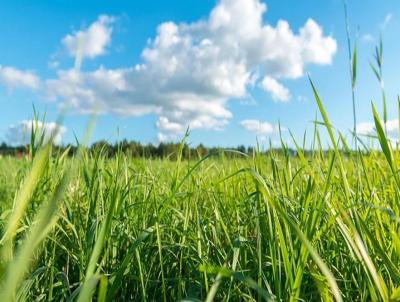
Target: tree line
x=137 y=150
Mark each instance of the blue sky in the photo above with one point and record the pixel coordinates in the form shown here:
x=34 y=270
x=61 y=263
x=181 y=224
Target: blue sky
x=151 y=70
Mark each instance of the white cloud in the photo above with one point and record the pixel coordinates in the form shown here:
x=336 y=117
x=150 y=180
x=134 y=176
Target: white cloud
x=165 y=125
x=259 y=127
x=392 y=128
x=92 y=41
x=392 y=125
x=315 y=47
x=368 y=128
x=169 y=137
x=20 y=133
x=12 y=78
x=190 y=71
x=277 y=90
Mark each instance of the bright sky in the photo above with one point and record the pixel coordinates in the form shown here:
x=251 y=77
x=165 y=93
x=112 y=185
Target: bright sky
x=231 y=70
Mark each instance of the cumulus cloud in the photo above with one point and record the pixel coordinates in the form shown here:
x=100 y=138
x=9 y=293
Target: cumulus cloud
x=20 y=133
x=92 y=41
x=12 y=78
x=277 y=90
x=164 y=124
x=190 y=71
x=259 y=127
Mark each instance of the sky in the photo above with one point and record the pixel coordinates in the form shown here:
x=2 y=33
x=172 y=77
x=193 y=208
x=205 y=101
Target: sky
x=230 y=70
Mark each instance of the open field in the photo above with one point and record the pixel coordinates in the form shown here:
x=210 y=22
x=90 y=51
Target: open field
x=265 y=227
x=135 y=210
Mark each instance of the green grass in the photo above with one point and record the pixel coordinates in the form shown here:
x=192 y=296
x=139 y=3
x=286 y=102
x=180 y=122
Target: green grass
x=264 y=227
x=320 y=225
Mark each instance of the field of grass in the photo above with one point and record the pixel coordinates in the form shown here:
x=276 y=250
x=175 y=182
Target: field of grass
x=261 y=227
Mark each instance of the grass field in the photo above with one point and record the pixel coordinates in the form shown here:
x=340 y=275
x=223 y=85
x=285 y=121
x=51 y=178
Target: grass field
x=261 y=227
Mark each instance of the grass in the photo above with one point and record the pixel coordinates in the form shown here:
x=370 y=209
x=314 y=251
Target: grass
x=263 y=227
x=319 y=225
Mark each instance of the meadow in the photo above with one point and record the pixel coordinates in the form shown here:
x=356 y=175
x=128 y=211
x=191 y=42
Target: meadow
x=263 y=226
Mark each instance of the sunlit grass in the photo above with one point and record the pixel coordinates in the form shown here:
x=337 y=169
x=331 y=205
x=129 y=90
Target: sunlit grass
x=316 y=225
x=261 y=227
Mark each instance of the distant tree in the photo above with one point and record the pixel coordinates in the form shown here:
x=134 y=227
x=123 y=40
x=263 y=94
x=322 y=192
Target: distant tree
x=164 y=150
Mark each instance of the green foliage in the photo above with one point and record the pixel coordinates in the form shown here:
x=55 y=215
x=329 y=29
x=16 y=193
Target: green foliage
x=378 y=71
x=271 y=227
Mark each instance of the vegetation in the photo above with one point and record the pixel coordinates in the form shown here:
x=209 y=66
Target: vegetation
x=262 y=227
x=133 y=149
x=174 y=223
